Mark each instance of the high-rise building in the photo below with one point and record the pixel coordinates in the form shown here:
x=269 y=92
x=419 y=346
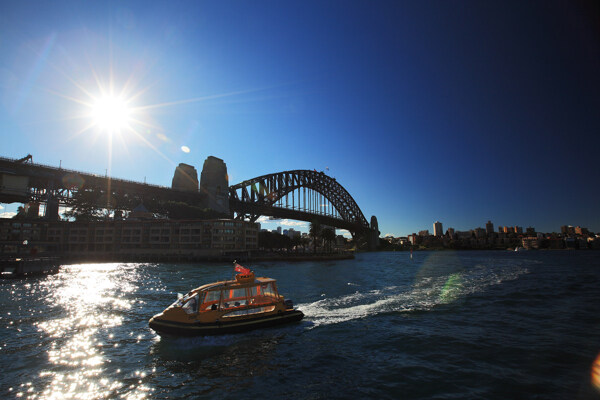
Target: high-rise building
x=489 y=227
x=437 y=229
x=567 y=230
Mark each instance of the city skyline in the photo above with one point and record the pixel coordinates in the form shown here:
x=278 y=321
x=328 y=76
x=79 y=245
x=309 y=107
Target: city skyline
x=427 y=111
x=488 y=228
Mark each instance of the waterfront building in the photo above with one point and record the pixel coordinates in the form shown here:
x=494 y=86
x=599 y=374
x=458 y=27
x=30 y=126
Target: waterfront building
x=130 y=239
x=437 y=229
x=480 y=233
x=292 y=233
x=413 y=239
x=567 y=230
x=531 y=242
x=424 y=233
x=518 y=230
x=464 y=234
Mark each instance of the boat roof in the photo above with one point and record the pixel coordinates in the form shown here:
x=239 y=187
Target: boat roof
x=234 y=283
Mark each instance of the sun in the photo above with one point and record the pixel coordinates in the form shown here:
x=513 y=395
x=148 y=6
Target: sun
x=111 y=113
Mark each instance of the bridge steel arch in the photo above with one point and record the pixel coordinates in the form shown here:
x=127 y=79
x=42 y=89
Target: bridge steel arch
x=255 y=197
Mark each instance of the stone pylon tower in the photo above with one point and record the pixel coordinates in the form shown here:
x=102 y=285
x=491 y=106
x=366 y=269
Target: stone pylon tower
x=374 y=235
x=214 y=185
x=185 y=178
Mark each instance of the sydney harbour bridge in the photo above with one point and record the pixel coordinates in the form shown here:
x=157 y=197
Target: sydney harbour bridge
x=304 y=195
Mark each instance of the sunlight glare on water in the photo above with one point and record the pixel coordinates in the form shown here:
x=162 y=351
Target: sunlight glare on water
x=90 y=300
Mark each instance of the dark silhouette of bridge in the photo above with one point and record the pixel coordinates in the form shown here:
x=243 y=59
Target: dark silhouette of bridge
x=304 y=195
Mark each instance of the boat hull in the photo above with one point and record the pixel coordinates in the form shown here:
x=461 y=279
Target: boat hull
x=171 y=328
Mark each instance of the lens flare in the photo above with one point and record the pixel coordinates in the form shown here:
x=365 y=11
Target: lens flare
x=596 y=373
x=452 y=289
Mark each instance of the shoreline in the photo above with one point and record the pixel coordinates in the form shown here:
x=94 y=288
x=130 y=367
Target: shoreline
x=155 y=258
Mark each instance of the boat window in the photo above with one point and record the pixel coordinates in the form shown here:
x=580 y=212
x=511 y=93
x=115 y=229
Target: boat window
x=234 y=298
x=191 y=306
x=210 y=299
x=268 y=289
x=202 y=296
x=254 y=291
x=213 y=295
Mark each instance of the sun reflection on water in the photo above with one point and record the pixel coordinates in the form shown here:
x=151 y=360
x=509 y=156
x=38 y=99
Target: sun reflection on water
x=92 y=299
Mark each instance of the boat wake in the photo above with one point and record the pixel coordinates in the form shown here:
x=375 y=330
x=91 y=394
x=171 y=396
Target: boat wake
x=430 y=289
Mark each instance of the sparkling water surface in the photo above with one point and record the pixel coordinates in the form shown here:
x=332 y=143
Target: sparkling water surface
x=444 y=325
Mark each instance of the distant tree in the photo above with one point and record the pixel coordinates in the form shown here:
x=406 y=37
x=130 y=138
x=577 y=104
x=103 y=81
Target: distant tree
x=296 y=242
x=85 y=206
x=21 y=213
x=265 y=240
x=272 y=240
x=328 y=236
x=315 y=233
x=304 y=242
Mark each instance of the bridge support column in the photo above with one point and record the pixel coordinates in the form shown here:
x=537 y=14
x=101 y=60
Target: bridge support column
x=51 y=212
x=373 y=236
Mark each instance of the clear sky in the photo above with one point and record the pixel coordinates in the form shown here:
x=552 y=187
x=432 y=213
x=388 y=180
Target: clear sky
x=460 y=112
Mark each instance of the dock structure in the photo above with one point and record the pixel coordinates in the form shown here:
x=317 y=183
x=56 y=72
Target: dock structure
x=12 y=267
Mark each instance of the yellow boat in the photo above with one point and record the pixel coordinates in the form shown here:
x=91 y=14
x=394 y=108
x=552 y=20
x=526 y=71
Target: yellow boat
x=232 y=306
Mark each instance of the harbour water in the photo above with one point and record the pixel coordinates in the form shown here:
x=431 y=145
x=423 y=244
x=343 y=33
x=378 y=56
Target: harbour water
x=444 y=325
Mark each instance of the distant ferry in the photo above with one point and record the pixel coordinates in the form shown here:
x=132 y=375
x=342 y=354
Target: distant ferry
x=232 y=306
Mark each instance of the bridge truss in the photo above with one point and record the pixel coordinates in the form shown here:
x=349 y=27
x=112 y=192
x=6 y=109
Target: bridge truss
x=301 y=195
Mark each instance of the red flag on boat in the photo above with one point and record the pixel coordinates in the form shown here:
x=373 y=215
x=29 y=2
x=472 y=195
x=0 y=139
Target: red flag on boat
x=241 y=270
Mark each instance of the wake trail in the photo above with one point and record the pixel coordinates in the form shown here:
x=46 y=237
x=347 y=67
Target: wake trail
x=425 y=294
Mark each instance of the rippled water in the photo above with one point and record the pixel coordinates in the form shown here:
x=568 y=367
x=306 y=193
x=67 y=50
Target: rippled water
x=444 y=325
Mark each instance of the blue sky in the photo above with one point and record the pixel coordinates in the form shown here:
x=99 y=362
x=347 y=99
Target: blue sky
x=460 y=112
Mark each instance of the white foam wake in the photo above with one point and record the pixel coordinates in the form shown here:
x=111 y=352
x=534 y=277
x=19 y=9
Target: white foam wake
x=427 y=292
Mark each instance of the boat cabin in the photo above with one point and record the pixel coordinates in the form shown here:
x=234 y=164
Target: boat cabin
x=234 y=298
x=238 y=305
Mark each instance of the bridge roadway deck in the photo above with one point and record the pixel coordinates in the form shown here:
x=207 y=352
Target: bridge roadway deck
x=46 y=178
